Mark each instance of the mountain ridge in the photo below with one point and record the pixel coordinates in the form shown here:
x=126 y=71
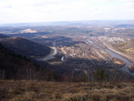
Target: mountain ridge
x=25 y=46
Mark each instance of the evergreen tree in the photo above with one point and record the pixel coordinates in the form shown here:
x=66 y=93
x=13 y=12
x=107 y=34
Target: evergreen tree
x=99 y=75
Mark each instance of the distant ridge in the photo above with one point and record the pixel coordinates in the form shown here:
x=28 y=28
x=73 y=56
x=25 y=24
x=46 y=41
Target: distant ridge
x=81 y=22
x=3 y=36
x=125 y=25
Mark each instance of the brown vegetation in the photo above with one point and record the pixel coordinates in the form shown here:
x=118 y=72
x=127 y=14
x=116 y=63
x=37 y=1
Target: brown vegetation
x=61 y=91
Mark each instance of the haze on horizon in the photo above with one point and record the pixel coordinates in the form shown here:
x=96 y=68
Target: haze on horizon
x=20 y=11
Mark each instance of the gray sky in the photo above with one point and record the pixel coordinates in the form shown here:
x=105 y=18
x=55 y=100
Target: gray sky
x=17 y=11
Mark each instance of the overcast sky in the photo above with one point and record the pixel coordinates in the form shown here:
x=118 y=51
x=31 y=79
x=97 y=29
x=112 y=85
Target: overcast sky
x=17 y=11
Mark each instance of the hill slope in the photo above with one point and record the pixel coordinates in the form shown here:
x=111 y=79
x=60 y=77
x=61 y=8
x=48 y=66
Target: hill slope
x=19 y=67
x=25 y=46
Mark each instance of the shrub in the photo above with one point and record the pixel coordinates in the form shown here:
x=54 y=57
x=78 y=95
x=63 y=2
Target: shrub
x=75 y=97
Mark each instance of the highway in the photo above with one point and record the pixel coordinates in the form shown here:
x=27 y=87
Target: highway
x=114 y=53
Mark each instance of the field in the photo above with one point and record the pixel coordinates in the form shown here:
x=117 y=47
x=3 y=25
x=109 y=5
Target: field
x=64 y=91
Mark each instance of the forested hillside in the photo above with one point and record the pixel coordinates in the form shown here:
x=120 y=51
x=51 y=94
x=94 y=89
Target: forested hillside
x=19 y=67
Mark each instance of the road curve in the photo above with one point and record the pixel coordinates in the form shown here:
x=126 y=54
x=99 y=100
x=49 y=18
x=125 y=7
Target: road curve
x=51 y=55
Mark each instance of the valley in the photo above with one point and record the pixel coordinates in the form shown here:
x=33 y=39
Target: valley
x=66 y=50
x=76 y=50
x=67 y=62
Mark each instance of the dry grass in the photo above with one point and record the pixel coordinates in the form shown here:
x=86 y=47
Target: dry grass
x=61 y=91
